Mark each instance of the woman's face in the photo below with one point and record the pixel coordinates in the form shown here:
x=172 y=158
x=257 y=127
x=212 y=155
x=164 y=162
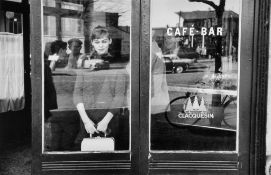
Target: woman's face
x=101 y=45
x=75 y=48
x=62 y=53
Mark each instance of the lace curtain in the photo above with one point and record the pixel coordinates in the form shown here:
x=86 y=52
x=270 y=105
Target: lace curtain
x=11 y=72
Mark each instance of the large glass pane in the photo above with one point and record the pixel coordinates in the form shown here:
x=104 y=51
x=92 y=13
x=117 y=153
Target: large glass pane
x=194 y=75
x=86 y=75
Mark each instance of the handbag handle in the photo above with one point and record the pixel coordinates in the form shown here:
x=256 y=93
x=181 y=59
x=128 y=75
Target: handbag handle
x=90 y=135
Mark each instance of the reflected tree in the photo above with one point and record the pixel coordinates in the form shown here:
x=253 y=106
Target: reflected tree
x=216 y=98
x=219 y=10
x=87 y=14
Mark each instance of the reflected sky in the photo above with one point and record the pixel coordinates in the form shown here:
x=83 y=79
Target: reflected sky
x=123 y=7
x=163 y=11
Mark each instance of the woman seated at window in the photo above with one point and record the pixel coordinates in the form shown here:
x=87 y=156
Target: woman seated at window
x=99 y=96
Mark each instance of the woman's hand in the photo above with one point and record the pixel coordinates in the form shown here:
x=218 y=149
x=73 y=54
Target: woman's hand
x=88 y=123
x=102 y=126
x=90 y=128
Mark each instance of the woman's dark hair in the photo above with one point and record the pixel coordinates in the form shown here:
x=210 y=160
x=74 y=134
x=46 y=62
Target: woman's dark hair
x=75 y=40
x=99 y=32
x=47 y=50
x=57 y=45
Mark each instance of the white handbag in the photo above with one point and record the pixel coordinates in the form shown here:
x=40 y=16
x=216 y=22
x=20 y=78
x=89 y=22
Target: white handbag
x=268 y=165
x=98 y=144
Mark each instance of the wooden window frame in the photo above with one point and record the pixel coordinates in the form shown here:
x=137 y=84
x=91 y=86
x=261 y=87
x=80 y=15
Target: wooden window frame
x=81 y=163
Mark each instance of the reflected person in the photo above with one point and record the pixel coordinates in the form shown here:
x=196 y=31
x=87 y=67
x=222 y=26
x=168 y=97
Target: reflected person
x=75 y=58
x=50 y=101
x=60 y=132
x=58 y=53
x=159 y=96
x=159 y=88
x=54 y=51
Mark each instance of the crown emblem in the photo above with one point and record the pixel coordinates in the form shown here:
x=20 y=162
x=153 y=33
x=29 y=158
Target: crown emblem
x=190 y=107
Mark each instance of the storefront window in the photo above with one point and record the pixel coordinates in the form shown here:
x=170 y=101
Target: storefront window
x=86 y=75
x=194 y=75
x=12 y=94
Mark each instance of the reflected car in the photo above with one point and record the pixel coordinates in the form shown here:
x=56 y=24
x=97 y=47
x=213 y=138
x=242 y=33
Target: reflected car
x=187 y=53
x=176 y=65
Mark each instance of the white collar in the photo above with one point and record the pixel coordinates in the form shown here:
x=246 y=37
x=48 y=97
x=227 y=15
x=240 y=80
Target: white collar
x=54 y=57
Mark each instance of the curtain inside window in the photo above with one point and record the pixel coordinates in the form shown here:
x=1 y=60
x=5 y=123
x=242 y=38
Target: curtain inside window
x=11 y=72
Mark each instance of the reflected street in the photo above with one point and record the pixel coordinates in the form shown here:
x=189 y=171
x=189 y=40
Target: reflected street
x=196 y=73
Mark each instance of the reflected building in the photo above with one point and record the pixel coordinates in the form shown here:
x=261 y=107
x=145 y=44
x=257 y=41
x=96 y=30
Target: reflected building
x=198 y=20
x=208 y=19
x=11 y=22
x=67 y=20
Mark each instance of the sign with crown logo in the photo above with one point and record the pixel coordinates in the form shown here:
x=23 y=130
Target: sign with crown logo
x=195 y=108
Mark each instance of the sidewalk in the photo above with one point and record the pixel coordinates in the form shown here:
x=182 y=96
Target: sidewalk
x=15 y=158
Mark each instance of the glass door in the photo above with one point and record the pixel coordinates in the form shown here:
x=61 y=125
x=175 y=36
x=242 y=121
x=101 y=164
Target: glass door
x=196 y=63
x=194 y=76
x=86 y=74
x=86 y=117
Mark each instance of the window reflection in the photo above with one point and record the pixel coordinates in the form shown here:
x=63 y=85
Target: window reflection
x=86 y=75
x=199 y=48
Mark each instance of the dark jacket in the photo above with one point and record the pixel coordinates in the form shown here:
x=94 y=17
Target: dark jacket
x=102 y=91
x=50 y=100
